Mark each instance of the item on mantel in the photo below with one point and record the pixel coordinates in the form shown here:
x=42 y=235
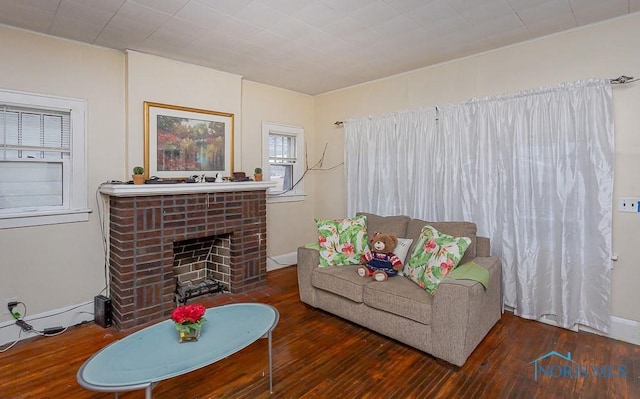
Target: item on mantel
x=138 y=175
x=257 y=174
x=189 y=319
x=240 y=176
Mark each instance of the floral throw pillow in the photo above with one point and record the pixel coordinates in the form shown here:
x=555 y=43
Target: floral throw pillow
x=342 y=241
x=433 y=257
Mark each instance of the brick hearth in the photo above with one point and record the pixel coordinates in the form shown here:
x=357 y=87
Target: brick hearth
x=143 y=230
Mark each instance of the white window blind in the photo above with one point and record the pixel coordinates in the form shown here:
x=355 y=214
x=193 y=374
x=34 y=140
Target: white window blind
x=284 y=148
x=42 y=162
x=282 y=158
x=31 y=136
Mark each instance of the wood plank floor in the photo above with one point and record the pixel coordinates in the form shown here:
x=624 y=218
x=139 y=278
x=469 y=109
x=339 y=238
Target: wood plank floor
x=317 y=355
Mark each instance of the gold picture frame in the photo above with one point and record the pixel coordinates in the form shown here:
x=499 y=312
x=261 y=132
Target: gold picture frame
x=180 y=142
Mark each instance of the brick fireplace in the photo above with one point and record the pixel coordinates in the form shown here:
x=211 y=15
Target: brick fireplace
x=147 y=222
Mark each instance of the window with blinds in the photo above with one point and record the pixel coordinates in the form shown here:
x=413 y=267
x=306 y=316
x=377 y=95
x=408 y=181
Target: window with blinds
x=35 y=143
x=284 y=148
x=42 y=162
x=282 y=159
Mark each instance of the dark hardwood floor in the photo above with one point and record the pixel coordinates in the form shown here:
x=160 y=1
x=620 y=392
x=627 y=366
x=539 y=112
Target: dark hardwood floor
x=317 y=355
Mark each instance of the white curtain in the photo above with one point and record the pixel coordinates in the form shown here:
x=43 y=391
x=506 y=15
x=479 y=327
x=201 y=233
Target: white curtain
x=534 y=171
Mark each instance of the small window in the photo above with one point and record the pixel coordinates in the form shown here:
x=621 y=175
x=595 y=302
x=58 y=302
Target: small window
x=284 y=149
x=42 y=163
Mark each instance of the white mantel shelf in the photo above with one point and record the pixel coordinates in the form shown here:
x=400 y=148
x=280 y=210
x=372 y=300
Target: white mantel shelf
x=139 y=190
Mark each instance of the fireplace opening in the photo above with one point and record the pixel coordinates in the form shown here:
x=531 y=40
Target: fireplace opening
x=201 y=266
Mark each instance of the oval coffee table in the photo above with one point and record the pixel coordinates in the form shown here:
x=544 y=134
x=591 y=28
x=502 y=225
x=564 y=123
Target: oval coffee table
x=153 y=354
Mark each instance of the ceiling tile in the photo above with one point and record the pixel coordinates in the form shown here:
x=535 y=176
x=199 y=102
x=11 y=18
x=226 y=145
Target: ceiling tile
x=482 y=13
x=400 y=24
x=508 y=37
x=17 y=13
x=287 y=7
x=138 y=13
x=260 y=15
x=501 y=24
x=551 y=25
x=110 y=6
x=589 y=11
x=405 y=6
x=433 y=12
x=237 y=29
x=523 y=4
x=291 y=29
x=75 y=29
x=226 y=6
x=317 y=14
x=344 y=27
x=121 y=33
x=543 y=12
x=200 y=15
x=83 y=13
x=374 y=13
x=348 y=6
x=169 y=6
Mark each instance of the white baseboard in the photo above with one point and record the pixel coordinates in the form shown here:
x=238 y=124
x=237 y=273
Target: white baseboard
x=64 y=317
x=280 y=261
x=619 y=328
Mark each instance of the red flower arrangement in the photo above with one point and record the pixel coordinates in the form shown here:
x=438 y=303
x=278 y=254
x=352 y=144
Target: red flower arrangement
x=189 y=317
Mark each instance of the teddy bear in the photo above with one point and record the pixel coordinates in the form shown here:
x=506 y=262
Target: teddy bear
x=381 y=262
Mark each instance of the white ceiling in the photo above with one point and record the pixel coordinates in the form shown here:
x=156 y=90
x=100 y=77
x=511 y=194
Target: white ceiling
x=310 y=46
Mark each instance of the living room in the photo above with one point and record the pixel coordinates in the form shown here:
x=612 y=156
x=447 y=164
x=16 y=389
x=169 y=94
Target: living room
x=59 y=267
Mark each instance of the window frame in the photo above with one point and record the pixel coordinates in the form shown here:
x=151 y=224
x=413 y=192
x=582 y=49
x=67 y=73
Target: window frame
x=74 y=175
x=298 y=193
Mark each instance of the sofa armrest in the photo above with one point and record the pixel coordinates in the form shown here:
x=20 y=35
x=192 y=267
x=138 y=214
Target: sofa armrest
x=464 y=312
x=483 y=247
x=308 y=259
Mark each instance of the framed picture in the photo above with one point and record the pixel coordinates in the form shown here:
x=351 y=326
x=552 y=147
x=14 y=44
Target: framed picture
x=180 y=142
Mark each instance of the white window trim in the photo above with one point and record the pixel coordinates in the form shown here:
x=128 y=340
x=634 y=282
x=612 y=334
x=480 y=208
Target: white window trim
x=77 y=211
x=298 y=194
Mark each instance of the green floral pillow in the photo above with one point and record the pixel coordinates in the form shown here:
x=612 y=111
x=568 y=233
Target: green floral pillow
x=433 y=257
x=342 y=241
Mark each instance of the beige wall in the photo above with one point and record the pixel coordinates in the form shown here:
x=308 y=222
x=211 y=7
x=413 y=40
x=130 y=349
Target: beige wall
x=601 y=51
x=288 y=223
x=165 y=81
x=62 y=265
x=52 y=267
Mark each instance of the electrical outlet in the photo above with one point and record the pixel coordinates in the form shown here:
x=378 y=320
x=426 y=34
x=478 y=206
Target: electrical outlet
x=5 y=301
x=628 y=205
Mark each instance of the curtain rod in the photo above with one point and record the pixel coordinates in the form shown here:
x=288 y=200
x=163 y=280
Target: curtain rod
x=622 y=79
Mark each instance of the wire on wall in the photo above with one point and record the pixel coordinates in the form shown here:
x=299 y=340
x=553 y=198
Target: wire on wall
x=317 y=166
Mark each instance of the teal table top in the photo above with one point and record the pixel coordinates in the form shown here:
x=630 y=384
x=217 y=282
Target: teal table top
x=154 y=353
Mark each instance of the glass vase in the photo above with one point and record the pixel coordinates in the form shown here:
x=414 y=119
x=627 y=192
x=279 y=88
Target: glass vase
x=188 y=334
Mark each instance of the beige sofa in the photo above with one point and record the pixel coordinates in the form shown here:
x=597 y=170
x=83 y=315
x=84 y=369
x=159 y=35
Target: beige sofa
x=448 y=325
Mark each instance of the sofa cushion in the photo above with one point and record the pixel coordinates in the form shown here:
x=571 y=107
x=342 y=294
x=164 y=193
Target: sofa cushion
x=455 y=229
x=386 y=224
x=340 y=280
x=434 y=256
x=342 y=241
x=402 y=249
x=400 y=296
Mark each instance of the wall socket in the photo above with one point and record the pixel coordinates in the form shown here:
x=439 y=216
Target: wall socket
x=628 y=205
x=5 y=301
